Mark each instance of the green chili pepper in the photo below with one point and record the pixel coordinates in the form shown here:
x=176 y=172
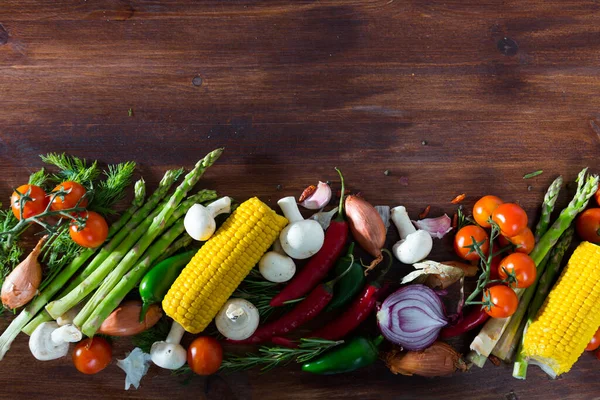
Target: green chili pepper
x=156 y=283
x=349 y=286
x=357 y=353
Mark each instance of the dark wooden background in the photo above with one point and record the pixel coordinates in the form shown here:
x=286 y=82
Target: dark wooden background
x=450 y=96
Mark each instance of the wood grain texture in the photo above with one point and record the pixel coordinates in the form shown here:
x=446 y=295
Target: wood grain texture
x=451 y=96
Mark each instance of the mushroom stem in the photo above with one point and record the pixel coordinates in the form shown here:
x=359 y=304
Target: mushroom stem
x=277 y=248
x=175 y=334
x=220 y=206
x=290 y=209
x=402 y=221
x=66 y=333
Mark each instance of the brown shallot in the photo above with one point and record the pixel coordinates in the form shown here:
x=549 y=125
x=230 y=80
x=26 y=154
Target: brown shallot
x=367 y=227
x=125 y=320
x=21 y=285
x=439 y=359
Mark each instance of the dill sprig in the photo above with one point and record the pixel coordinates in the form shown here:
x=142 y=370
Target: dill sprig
x=58 y=251
x=112 y=189
x=72 y=169
x=38 y=178
x=270 y=357
x=10 y=253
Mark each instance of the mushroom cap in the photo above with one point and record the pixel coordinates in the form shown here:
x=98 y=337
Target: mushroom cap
x=168 y=355
x=302 y=239
x=43 y=347
x=199 y=223
x=238 y=319
x=414 y=248
x=276 y=267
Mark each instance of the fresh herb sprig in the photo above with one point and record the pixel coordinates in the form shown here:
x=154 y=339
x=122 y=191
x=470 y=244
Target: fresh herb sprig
x=157 y=333
x=71 y=169
x=270 y=357
x=112 y=190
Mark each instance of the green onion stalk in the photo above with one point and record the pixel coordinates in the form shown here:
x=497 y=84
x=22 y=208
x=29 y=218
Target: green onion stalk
x=12 y=331
x=542 y=290
x=490 y=334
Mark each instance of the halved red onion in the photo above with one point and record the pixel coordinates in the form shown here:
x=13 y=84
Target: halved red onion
x=412 y=317
x=437 y=227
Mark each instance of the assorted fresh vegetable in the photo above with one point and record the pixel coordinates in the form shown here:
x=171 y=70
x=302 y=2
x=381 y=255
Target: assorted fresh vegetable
x=85 y=278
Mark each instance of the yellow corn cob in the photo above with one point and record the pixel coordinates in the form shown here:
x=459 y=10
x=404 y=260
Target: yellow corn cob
x=221 y=265
x=570 y=315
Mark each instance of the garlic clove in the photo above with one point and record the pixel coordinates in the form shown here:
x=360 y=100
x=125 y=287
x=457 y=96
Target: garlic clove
x=315 y=198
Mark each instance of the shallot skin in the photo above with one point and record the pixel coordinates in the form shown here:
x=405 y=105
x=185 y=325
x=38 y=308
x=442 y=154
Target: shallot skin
x=21 y=285
x=125 y=320
x=440 y=359
x=366 y=226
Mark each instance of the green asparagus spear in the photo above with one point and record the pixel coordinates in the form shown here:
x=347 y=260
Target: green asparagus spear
x=117 y=273
x=9 y=335
x=182 y=242
x=547 y=208
x=129 y=280
x=543 y=288
x=113 y=251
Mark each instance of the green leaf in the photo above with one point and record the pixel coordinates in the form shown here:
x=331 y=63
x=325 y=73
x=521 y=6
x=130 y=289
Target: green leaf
x=533 y=174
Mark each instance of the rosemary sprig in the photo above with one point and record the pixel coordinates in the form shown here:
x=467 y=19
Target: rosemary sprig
x=158 y=332
x=462 y=219
x=258 y=291
x=270 y=357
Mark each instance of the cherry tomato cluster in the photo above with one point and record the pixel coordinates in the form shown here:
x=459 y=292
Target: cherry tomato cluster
x=588 y=223
x=516 y=270
x=91 y=234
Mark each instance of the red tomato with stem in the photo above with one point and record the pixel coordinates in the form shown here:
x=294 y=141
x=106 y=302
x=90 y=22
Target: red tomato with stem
x=597 y=196
x=595 y=342
x=511 y=219
x=588 y=225
x=92 y=355
x=93 y=234
x=31 y=208
x=464 y=238
x=500 y=301
x=520 y=268
x=205 y=355
x=524 y=241
x=483 y=209
x=69 y=200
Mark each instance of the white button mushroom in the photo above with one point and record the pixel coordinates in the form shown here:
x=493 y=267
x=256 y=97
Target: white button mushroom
x=238 y=319
x=200 y=222
x=302 y=238
x=50 y=341
x=414 y=245
x=169 y=354
x=276 y=266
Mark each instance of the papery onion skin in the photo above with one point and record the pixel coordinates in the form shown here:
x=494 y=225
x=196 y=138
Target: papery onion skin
x=412 y=317
x=440 y=359
x=21 y=285
x=366 y=226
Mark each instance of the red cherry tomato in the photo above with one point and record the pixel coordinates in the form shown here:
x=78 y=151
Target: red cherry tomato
x=588 y=225
x=595 y=342
x=503 y=301
x=93 y=234
x=511 y=219
x=76 y=192
x=525 y=241
x=521 y=267
x=205 y=355
x=463 y=239
x=597 y=196
x=494 y=267
x=92 y=355
x=483 y=209
x=31 y=208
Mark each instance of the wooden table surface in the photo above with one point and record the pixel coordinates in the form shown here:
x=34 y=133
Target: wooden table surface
x=450 y=96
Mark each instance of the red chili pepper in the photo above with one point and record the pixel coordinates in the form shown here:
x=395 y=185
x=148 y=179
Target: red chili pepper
x=358 y=311
x=321 y=263
x=471 y=320
x=305 y=311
